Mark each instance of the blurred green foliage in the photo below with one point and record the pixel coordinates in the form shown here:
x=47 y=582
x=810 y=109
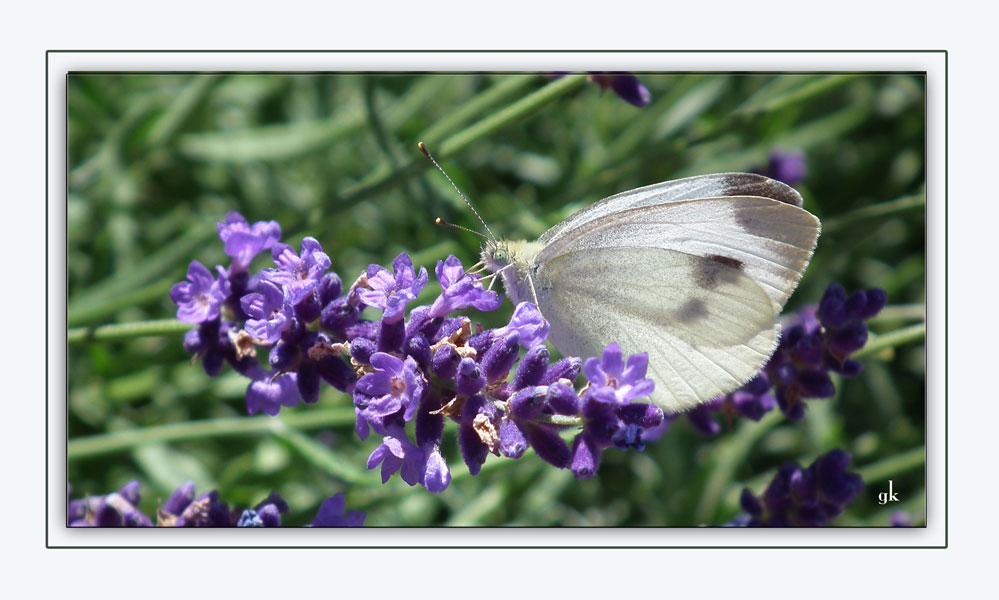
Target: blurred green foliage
x=155 y=160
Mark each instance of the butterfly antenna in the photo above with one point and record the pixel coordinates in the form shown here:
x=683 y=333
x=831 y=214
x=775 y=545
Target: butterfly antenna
x=423 y=149
x=442 y=222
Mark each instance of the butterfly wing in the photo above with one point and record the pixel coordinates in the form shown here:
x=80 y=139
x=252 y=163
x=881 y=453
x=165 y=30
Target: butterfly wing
x=701 y=342
x=768 y=240
x=719 y=185
x=695 y=283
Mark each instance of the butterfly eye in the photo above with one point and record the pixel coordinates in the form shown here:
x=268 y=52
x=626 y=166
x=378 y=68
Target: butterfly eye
x=500 y=256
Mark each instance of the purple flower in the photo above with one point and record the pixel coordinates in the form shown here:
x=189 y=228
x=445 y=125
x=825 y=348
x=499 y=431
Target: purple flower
x=625 y=85
x=585 y=457
x=331 y=514
x=117 y=509
x=208 y=341
x=614 y=382
x=243 y=241
x=183 y=509
x=416 y=465
x=900 y=518
x=200 y=297
x=701 y=417
x=397 y=453
x=529 y=323
x=460 y=290
x=478 y=434
x=753 y=405
x=607 y=424
x=298 y=274
x=395 y=386
x=270 y=312
x=265 y=514
x=435 y=475
x=789 y=167
x=392 y=293
x=549 y=446
x=268 y=393
x=804 y=496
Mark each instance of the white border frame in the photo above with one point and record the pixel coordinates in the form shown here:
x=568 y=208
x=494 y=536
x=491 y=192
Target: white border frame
x=933 y=63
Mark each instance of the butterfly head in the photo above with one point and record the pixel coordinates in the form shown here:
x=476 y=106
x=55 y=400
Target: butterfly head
x=496 y=255
x=513 y=262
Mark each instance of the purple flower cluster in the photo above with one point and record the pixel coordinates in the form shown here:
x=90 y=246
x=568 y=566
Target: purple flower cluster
x=803 y=497
x=816 y=341
x=186 y=509
x=117 y=509
x=424 y=369
x=434 y=367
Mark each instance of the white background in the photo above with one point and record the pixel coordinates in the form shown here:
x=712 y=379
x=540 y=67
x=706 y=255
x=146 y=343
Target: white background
x=491 y=573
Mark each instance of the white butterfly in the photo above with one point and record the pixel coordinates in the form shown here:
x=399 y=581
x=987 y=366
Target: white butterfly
x=692 y=271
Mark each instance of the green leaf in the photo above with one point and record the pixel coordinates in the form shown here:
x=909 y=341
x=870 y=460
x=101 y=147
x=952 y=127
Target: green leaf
x=325 y=459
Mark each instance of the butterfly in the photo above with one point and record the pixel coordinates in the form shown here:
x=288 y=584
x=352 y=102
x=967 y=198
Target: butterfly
x=694 y=272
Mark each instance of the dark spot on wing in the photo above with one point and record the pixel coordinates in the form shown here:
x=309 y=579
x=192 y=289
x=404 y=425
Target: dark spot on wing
x=750 y=184
x=755 y=219
x=692 y=310
x=717 y=269
x=735 y=263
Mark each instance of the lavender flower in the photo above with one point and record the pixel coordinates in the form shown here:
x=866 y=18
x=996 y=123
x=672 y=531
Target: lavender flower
x=901 y=518
x=396 y=453
x=331 y=514
x=184 y=508
x=198 y=300
x=244 y=241
x=298 y=274
x=268 y=392
x=396 y=386
x=113 y=510
x=788 y=166
x=612 y=382
x=606 y=425
x=267 y=513
x=460 y=290
x=392 y=293
x=529 y=324
x=270 y=311
x=427 y=368
x=625 y=85
x=804 y=497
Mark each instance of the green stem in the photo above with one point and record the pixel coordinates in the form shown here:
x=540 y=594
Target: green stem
x=91 y=303
x=324 y=458
x=511 y=114
x=167 y=125
x=139 y=297
x=385 y=177
x=506 y=87
x=892 y=339
x=730 y=454
x=901 y=312
x=893 y=465
x=121 y=331
x=874 y=211
x=117 y=441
